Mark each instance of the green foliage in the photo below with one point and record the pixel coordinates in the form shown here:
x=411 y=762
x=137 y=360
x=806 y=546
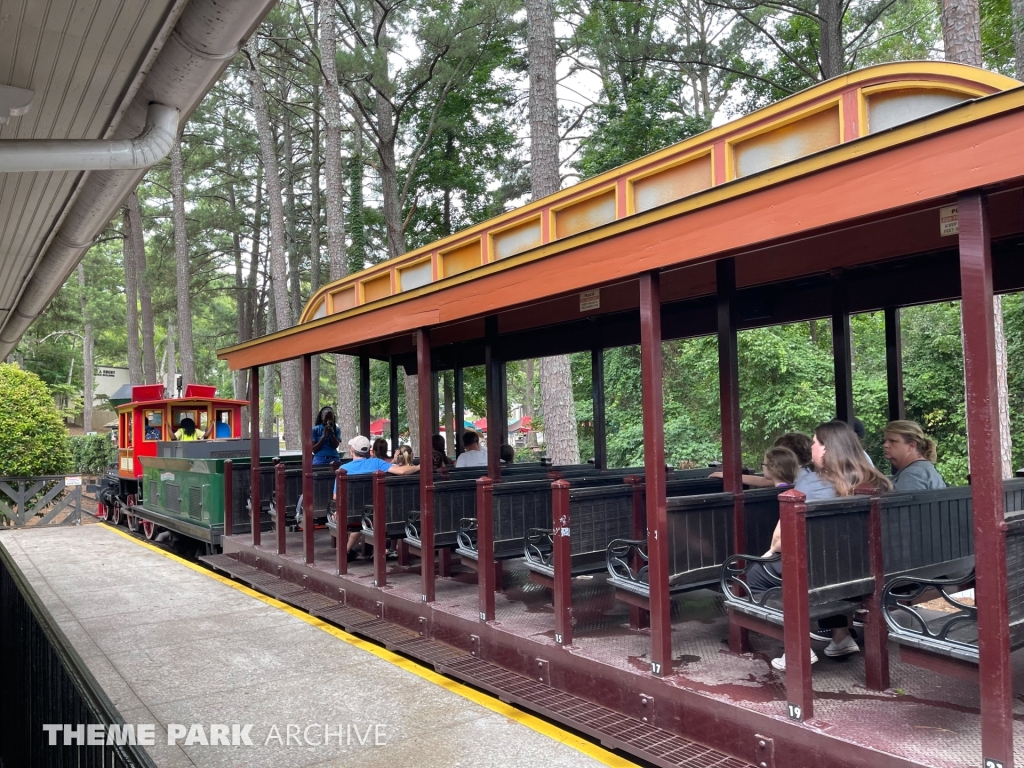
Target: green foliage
x=33 y=439
x=91 y=454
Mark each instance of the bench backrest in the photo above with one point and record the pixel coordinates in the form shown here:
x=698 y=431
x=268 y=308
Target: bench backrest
x=1015 y=576
x=598 y=516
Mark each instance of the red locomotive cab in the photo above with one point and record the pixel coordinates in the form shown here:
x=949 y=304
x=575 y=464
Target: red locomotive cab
x=149 y=418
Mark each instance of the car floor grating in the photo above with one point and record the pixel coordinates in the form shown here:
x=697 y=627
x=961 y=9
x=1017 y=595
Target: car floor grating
x=224 y=563
x=658 y=746
x=430 y=651
x=386 y=633
x=282 y=589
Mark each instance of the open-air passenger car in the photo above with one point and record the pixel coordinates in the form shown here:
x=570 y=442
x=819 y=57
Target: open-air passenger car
x=891 y=186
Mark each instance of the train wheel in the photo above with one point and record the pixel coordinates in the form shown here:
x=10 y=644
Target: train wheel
x=133 y=523
x=150 y=529
x=116 y=514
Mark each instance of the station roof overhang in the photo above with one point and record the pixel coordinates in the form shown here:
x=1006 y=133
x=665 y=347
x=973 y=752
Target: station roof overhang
x=870 y=207
x=93 y=68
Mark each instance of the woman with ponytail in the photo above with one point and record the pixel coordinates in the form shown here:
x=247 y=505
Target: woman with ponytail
x=912 y=456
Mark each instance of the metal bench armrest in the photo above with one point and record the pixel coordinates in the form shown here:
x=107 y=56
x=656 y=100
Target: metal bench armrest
x=465 y=537
x=899 y=595
x=539 y=546
x=734 y=585
x=627 y=560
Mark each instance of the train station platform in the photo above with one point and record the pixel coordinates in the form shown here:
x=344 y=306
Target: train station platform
x=175 y=645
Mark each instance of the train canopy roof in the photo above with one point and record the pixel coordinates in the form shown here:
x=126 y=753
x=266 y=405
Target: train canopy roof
x=853 y=171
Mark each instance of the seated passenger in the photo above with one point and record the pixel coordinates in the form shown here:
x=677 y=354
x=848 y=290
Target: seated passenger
x=473 y=455
x=912 y=456
x=798 y=443
x=840 y=468
x=440 y=457
x=508 y=454
x=187 y=431
x=153 y=433
x=326 y=438
x=363 y=464
x=380 y=448
x=403 y=456
x=219 y=429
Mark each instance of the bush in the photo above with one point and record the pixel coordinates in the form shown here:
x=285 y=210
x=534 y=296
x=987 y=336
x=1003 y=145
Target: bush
x=33 y=438
x=91 y=454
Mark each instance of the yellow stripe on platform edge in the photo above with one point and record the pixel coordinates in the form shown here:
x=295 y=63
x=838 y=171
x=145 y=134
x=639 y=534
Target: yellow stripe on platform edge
x=533 y=722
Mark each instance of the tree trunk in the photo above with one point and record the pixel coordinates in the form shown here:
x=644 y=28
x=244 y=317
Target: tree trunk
x=449 y=411
x=830 y=36
x=560 y=435
x=314 y=208
x=531 y=436
x=356 y=219
x=278 y=266
x=961 y=31
x=172 y=362
x=131 y=292
x=344 y=368
x=145 y=291
x=1006 y=439
x=269 y=375
x=1017 y=13
x=238 y=377
x=87 y=364
x=184 y=324
x=291 y=238
x=386 y=135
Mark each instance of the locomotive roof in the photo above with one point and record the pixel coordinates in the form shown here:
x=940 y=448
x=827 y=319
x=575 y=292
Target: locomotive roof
x=156 y=404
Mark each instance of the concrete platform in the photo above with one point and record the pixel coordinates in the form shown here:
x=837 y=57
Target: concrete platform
x=172 y=644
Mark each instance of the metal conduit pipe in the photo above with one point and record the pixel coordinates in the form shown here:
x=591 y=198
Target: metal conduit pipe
x=145 y=151
x=207 y=36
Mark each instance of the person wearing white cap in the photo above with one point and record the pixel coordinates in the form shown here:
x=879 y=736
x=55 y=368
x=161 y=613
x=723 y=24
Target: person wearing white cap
x=363 y=464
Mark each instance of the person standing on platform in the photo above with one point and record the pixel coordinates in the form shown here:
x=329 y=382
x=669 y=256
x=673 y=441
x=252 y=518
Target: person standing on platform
x=326 y=438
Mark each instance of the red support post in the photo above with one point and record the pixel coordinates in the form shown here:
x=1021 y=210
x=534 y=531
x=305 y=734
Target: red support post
x=795 y=605
x=254 y=452
x=380 y=533
x=562 y=560
x=279 y=501
x=341 y=518
x=428 y=425
x=984 y=452
x=639 y=618
x=229 y=496
x=876 y=636
x=729 y=393
x=306 y=399
x=485 y=547
x=654 y=467
x=496 y=407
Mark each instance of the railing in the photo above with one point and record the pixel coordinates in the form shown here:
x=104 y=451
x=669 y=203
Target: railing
x=45 y=682
x=48 y=500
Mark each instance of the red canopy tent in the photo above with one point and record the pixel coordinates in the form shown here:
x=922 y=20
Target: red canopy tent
x=379 y=427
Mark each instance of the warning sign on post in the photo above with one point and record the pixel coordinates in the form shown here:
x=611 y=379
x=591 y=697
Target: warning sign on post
x=949 y=221
x=590 y=300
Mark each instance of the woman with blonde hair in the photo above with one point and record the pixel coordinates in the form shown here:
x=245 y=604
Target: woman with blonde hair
x=912 y=456
x=841 y=468
x=403 y=457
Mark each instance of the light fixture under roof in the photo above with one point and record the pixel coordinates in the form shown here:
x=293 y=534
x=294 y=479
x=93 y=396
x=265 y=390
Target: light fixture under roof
x=14 y=102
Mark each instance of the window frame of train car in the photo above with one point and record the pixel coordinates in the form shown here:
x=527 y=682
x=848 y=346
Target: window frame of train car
x=974 y=260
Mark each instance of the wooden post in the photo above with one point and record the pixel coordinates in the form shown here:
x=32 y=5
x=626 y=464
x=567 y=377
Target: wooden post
x=254 y=452
x=280 y=497
x=485 y=547
x=984 y=452
x=341 y=517
x=380 y=533
x=562 y=560
x=306 y=400
x=364 y=393
x=841 y=348
x=795 y=605
x=495 y=415
x=229 y=497
x=729 y=394
x=639 y=618
x=654 y=466
x=894 y=363
x=876 y=636
x=393 y=404
x=428 y=423
x=597 y=395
